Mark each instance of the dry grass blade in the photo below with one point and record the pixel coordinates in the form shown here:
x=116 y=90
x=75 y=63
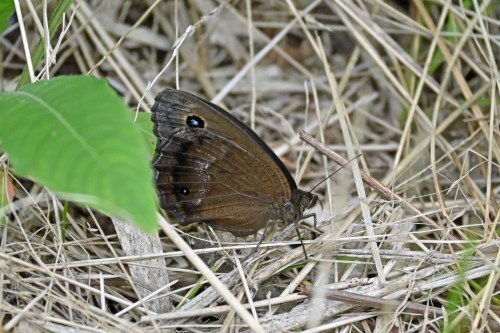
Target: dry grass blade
x=385 y=192
x=376 y=303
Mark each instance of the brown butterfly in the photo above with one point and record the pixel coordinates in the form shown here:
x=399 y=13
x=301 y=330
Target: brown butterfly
x=212 y=168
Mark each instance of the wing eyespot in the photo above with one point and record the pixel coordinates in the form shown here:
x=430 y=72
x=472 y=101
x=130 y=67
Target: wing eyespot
x=184 y=191
x=195 y=121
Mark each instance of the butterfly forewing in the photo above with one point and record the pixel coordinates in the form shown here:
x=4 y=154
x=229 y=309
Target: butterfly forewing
x=213 y=169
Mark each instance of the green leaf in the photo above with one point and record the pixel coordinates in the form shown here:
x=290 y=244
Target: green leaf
x=6 y=10
x=145 y=125
x=76 y=136
x=6 y=194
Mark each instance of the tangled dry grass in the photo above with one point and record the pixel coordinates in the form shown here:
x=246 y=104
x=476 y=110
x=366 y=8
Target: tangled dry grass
x=413 y=87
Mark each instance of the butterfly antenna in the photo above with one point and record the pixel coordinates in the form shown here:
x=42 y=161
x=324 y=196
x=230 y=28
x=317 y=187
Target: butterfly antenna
x=329 y=176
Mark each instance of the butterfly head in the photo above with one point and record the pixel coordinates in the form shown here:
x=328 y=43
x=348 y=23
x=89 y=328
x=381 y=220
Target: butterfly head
x=293 y=210
x=304 y=200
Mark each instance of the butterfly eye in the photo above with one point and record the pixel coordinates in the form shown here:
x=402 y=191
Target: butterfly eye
x=195 y=121
x=185 y=191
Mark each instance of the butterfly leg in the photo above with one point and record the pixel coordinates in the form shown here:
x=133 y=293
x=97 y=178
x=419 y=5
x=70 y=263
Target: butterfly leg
x=263 y=236
x=313 y=215
x=300 y=238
